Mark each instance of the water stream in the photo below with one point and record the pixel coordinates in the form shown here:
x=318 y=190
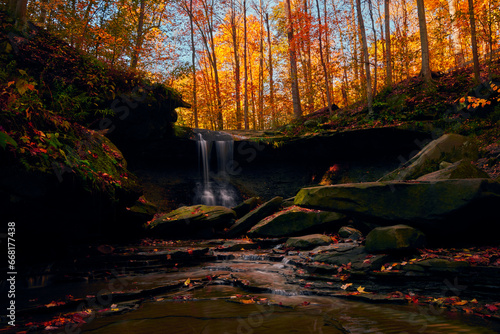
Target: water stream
x=272 y=299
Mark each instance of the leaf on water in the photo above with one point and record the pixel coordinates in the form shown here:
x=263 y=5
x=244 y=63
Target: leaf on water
x=345 y=286
x=187 y=282
x=361 y=289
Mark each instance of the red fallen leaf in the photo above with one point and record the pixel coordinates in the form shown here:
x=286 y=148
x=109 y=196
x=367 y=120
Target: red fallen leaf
x=306 y=303
x=190 y=251
x=412 y=299
x=54 y=303
x=308 y=285
x=491 y=308
x=209 y=277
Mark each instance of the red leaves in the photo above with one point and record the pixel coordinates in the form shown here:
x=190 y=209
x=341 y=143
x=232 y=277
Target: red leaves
x=491 y=308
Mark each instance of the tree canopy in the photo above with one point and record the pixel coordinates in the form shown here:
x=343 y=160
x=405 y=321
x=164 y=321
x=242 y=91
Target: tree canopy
x=259 y=64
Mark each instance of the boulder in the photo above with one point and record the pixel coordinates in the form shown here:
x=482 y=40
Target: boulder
x=308 y=241
x=246 y=206
x=394 y=238
x=462 y=169
x=246 y=222
x=443 y=209
x=449 y=147
x=199 y=221
x=295 y=220
x=350 y=233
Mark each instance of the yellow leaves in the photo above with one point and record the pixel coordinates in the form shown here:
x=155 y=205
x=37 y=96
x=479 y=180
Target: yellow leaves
x=187 y=282
x=361 y=289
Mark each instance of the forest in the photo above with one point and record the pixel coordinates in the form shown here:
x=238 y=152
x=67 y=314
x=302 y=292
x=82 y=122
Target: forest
x=254 y=64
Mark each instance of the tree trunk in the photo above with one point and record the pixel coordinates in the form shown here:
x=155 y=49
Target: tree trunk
x=85 y=25
x=475 y=56
x=426 y=69
x=388 y=56
x=375 y=67
x=193 y=61
x=308 y=67
x=323 y=64
x=245 y=65
x=344 y=70
x=271 y=79
x=261 y=69
x=297 y=110
x=237 y=79
x=369 y=95
x=455 y=36
x=43 y=12
x=139 y=38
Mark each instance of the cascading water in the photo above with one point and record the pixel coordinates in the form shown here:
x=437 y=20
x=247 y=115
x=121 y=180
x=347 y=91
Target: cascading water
x=215 y=188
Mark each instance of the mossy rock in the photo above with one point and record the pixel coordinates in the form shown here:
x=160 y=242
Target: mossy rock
x=449 y=147
x=192 y=221
x=295 y=220
x=462 y=169
x=397 y=238
x=249 y=220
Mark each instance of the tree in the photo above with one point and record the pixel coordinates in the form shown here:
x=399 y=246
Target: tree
x=139 y=37
x=237 y=79
x=297 y=110
x=205 y=21
x=375 y=42
x=475 y=55
x=426 y=68
x=18 y=9
x=388 y=57
x=455 y=36
x=245 y=65
x=369 y=94
x=323 y=63
x=271 y=77
x=193 y=62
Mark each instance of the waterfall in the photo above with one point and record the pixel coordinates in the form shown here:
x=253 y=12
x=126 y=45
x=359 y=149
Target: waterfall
x=215 y=189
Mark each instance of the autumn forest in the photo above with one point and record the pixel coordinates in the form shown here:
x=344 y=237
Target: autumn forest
x=257 y=64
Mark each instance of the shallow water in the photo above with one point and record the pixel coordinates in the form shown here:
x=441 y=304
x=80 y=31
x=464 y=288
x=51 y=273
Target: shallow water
x=298 y=314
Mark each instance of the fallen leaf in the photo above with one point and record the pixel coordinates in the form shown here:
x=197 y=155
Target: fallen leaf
x=491 y=308
x=361 y=289
x=187 y=282
x=345 y=286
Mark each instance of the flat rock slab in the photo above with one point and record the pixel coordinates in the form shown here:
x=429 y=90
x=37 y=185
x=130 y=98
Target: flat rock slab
x=249 y=220
x=295 y=220
x=358 y=258
x=444 y=207
x=193 y=221
x=343 y=247
x=308 y=241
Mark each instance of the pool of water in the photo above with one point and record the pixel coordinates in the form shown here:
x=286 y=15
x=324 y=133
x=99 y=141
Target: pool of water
x=216 y=309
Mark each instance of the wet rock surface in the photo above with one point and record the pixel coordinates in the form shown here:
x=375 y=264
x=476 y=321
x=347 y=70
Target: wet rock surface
x=110 y=280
